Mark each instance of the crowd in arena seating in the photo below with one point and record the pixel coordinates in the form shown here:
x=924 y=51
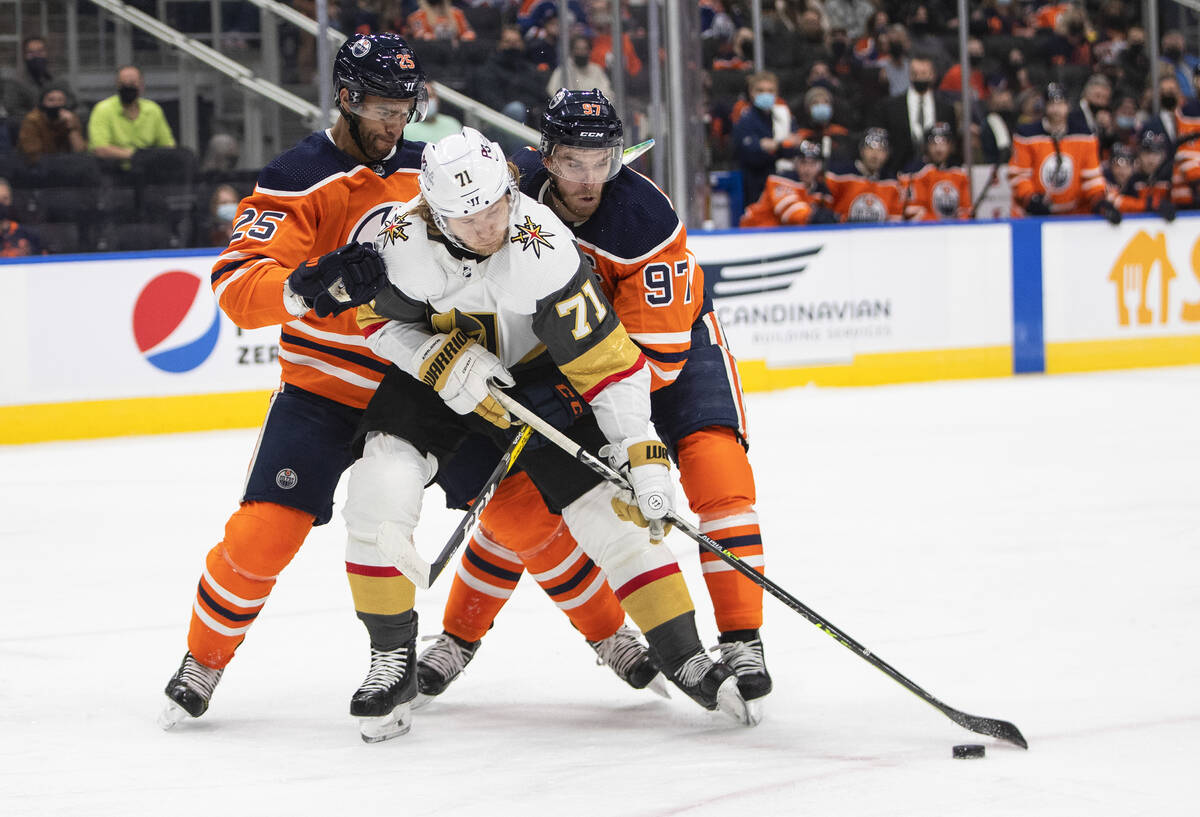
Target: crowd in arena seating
x=858 y=115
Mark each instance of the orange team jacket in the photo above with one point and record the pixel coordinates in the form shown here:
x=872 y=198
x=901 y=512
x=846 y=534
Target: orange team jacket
x=1068 y=177
x=638 y=247
x=1138 y=195
x=1186 y=174
x=784 y=201
x=859 y=197
x=937 y=194
x=311 y=200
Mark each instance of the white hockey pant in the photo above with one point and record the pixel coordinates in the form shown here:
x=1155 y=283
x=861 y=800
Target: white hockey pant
x=386 y=486
x=621 y=549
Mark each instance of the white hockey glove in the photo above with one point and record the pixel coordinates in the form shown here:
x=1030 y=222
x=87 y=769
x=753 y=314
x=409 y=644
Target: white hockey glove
x=645 y=464
x=459 y=369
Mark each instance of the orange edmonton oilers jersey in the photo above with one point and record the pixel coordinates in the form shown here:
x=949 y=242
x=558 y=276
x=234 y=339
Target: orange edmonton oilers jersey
x=638 y=247
x=311 y=200
x=1186 y=173
x=937 y=194
x=1068 y=177
x=784 y=201
x=857 y=197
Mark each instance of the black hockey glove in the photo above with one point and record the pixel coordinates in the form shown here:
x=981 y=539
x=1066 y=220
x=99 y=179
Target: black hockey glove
x=1106 y=209
x=1037 y=205
x=339 y=280
x=822 y=215
x=1166 y=209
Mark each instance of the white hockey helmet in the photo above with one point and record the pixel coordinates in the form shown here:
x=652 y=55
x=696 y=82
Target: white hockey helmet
x=462 y=174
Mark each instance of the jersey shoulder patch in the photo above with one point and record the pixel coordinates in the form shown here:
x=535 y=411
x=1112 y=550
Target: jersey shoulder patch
x=630 y=200
x=407 y=253
x=539 y=259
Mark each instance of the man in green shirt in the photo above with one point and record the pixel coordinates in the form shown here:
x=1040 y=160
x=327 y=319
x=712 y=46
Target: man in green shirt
x=125 y=122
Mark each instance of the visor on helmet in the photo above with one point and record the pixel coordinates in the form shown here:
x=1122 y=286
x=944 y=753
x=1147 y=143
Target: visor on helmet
x=584 y=165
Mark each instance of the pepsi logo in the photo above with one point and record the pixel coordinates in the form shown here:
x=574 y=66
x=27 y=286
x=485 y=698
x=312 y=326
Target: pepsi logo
x=175 y=325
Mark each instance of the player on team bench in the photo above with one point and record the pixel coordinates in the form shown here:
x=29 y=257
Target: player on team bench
x=635 y=241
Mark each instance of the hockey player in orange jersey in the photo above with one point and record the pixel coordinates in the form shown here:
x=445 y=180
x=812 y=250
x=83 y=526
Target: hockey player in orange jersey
x=1147 y=188
x=794 y=202
x=862 y=191
x=935 y=190
x=301 y=254
x=1054 y=170
x=628 y=230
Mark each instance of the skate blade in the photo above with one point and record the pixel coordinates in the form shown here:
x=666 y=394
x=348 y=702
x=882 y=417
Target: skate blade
x=731 y=702
x=422 y=700
x=386 y=727
x=658 y=685
x=171 y=715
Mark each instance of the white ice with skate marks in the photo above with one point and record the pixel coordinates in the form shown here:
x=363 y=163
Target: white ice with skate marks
x=1022 y=548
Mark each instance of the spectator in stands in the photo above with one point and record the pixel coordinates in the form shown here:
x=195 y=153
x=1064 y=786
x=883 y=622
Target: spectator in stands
x=1169 y=98
x=438 y=20
x=759 y=134
x=21 y=95
x=951 y=83
x=542 y=42
x=51 y=127
x=893 y=59
x=1135 y=58
x=1127 y=121
x=816 y=125
x=935 y=188
x=534 y=14
x=908 y=117
x=866 y=191
x=582 y=74
x=221 y=155
x=222 y=208
x=1069 y=44
x=1055 y=170
x=923 y=36
x=600 y=21
x=509 y=81
x=1093 y=113
x=1179 y=63
x=436 y=124
x=996 y=124
x=126 y=121
x=15 y=240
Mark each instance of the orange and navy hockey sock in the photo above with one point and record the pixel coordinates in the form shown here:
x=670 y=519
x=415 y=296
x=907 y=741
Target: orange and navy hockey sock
x=260 y=539
x=719 y=483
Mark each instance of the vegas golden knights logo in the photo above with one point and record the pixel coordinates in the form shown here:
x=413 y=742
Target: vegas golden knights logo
x=479 y=326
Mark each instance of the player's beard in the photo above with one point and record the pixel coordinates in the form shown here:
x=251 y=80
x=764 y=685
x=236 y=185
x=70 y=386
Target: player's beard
x=574 y=204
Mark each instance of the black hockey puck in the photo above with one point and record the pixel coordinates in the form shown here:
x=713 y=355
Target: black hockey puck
x=968 y=750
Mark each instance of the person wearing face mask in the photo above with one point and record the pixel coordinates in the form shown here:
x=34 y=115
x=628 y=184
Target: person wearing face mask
x=951 y=83
x=760 y=132
x=908 y=117
x=222 y=210
x=51 y=127
x=126 y=121
x=22 y=94
x=1093 y=113
x=581 y=74
x=15 y=240
x=509 y=76
x=1179 y=63
x=817 y=126
x=1169 y=99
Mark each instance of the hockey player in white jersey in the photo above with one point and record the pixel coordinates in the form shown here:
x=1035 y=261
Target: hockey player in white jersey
x=486 y=284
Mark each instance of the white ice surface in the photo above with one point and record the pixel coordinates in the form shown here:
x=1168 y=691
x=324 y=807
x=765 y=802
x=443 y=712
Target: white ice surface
x=1023 y=549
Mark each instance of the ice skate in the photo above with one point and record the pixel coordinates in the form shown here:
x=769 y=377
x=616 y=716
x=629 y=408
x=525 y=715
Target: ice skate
x=440 y=664
x=630 y=659
x=713 y=686
x=383 y=703
x=742 y=650
x=188 y=691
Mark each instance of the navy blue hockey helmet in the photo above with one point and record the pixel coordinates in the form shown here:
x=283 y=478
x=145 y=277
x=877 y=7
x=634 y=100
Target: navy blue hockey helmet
x=582 y=119
x=379 y=65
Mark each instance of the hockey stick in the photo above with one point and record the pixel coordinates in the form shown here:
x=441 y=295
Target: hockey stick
x=983 y=726
x=423 y=573
x=634 y=151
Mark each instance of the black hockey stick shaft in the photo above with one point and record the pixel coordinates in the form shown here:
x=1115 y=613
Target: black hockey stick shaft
x=992 y=727
x=467 y=523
